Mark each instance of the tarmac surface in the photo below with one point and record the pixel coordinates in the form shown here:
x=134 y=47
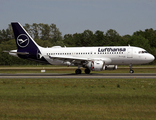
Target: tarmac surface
x=91 y=76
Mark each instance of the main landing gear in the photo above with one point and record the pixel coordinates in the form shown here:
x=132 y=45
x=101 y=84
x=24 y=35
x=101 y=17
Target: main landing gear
x=131 y=70
x=78 y=71
x=87 y=71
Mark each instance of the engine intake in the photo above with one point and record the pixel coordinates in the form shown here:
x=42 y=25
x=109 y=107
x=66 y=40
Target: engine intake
x=96 y=65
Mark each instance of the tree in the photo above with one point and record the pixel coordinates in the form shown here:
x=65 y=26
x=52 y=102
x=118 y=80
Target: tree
x=1 y=36
x=149 y=34
x=68 y=40
x=43 y=43
x=77 y=40
x=112 y=37
x=45 y=31
x=28 y=29
x=5 y=35
x=87 y=38
x=55 y=35
x=124 y=40
x=100 y=38
x=140 y=42
x=35 y=30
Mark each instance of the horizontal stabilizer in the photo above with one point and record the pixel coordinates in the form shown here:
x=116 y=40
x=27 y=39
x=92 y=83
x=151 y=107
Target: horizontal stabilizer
x=19 y=53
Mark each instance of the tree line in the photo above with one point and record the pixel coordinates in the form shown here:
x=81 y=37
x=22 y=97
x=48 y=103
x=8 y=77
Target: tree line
x=49 y=35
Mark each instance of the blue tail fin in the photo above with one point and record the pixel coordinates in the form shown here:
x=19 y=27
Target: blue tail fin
x=24 y=41
x=27 y=48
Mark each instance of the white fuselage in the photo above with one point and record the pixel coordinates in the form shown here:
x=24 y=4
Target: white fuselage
x=117 y=55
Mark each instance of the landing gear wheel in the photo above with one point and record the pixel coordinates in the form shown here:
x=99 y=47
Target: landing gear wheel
x=131 y=71
x=78 y=71
x=87 y=71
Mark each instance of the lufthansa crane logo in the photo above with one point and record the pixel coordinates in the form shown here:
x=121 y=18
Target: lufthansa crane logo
x=22 y=40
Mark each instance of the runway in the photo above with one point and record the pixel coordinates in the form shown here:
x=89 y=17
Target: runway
x=90 y=76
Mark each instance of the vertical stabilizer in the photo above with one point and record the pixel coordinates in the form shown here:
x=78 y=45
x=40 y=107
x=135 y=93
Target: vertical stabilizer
x=24 y=41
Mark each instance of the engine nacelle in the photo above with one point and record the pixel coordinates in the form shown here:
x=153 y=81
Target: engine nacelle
x=111 y=67
x=100 y=65
x=67 y=63
x=96 y=65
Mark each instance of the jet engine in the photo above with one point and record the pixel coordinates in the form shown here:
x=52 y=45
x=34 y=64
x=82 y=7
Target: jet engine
x=67 y=63
x=96 y=65
x=99 y=66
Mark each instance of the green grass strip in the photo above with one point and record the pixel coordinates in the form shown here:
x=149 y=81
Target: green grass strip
x=78 y=99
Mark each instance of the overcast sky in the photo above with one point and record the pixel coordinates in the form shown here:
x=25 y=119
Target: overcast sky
x=75 y=16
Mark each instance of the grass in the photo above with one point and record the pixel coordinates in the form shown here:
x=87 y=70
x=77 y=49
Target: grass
x=75 y=99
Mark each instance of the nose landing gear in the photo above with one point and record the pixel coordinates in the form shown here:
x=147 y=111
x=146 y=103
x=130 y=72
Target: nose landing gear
x=131 y=70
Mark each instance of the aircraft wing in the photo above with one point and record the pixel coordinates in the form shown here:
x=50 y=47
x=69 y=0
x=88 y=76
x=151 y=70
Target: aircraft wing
x=77 y=60
x=70 y=59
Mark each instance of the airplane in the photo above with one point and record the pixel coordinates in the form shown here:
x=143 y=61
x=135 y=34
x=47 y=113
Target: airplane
x=91 y=58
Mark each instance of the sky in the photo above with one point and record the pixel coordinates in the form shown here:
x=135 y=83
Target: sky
x=75 y=16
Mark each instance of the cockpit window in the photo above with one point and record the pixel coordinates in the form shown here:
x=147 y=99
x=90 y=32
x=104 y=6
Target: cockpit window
x=140 y=52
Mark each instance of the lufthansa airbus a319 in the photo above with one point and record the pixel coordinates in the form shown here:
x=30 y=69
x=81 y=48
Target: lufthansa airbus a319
x=91 y=58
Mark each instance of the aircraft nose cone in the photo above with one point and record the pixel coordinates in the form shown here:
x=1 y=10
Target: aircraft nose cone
x=151 y=58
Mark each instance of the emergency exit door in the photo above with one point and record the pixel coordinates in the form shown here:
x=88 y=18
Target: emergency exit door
x=130 y=53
